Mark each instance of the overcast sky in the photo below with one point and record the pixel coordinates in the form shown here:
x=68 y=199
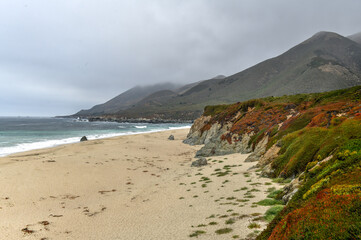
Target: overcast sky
x=57 y=57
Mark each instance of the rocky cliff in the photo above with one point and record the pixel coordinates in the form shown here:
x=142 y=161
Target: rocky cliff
x=314 y=140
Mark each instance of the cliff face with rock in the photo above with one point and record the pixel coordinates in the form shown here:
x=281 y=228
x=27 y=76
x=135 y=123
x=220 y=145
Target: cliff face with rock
x=213 y=140
x=314 y=140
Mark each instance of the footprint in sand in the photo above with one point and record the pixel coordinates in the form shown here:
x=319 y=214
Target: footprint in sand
x=90 y=213
x=106 y=191
x=32 y=228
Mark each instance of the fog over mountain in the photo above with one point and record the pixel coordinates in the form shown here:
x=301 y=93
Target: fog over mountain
x=57 y=57
x=326 y=61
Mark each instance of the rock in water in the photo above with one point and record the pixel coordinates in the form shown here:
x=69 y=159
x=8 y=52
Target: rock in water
x=200 y=162
x=171 y=137
x=84 y=138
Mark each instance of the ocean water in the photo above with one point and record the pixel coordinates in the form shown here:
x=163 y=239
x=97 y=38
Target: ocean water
x=19 y=134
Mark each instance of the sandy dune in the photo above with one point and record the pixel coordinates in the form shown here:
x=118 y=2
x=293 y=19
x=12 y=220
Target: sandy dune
x=129 y=187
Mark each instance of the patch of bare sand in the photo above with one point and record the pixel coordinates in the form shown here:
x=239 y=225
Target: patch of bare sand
x=128 y=187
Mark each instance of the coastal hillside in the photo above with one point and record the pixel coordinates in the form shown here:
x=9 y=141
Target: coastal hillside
x=312 y=141
x=126 y=99
x=326 y=61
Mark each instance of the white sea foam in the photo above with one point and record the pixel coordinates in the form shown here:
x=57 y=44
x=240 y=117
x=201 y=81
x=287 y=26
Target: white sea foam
x=140 y=126
x=22 y=147
x=183 y=127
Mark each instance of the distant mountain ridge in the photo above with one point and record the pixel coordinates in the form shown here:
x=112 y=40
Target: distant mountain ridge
x=126 y=99
x=356 y=37
x=326 y=61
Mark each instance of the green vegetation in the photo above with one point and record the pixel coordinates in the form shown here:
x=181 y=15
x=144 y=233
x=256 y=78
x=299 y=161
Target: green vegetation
x=272 y=212
x=304 y=146
x=214 y=110
x=224 y=230
x=319 y=135
x=331 y=191
x=274 y=193
x=253 y=225
x=230 y=221
x=269 y=202
x=221 y=174
x=197 y=233
x=230 y=198
x=281 y=180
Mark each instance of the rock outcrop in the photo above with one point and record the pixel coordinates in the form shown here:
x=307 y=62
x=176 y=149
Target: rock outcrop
x=83 y=139
x=215 y=146
x=196 y=135
x=291 y=189
x=200 y=162
x=258 y=151
x=266 y=160
x=212 y=139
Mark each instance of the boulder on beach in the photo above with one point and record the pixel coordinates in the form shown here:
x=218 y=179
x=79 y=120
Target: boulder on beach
x=171 y=137
x=200 y=162
x=84 y=138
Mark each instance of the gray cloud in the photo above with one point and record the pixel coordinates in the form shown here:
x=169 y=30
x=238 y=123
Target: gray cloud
x=57 y=57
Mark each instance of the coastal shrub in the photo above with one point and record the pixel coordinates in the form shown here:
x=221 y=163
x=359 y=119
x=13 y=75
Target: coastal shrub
x=327 y=216
x=312 y=144
x=230 y=221
x=332 y=187
x=269 y=202
x=308 y=128
x=294 y=124
x=298 y=150
x=274 y=193
x=214 y=110
x=253 y=225
x=197 y=233
x=281 y=180
x=224 y=230
x=315 y=187
x=346 y=189
x=272 y=212
x=352 y=145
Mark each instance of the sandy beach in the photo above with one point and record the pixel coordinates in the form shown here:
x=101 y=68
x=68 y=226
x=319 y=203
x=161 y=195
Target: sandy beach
x=129 y=187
